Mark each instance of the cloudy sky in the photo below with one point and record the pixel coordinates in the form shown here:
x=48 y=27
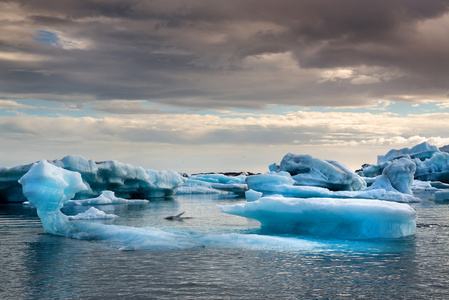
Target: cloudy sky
x=204 y=85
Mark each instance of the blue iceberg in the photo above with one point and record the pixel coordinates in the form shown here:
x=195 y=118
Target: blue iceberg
x=330 y=217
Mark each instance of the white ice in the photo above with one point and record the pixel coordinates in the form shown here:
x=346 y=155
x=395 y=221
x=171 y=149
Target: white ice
x=106 y=197
x=92 y=213
x=329 y=217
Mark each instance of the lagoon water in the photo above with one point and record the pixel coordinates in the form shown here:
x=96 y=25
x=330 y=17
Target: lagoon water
x=37 y=265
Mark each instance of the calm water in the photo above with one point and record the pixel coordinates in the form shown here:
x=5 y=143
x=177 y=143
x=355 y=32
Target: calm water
x=36 y=265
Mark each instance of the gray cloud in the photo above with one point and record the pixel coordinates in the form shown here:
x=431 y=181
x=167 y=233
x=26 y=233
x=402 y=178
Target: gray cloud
x=195 y=54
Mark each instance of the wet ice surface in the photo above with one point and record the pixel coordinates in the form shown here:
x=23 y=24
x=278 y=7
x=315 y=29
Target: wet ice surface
x=39 y=265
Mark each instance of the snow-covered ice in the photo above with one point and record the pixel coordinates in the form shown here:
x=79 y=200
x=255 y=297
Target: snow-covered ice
x=92 y=213
x=330 y=217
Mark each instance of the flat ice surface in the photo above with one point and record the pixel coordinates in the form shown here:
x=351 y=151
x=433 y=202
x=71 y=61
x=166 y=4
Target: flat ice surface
x=337 y=218
x=92 y=213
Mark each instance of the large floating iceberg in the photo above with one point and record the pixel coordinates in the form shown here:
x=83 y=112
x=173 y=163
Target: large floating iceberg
x=337 y=218
x=125 y=180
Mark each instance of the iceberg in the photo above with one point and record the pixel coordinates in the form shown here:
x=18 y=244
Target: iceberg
x=441 y=196
x=92 y=213
x=47 y=187
x=125 y=180
x=309 y=171
x=330 y=217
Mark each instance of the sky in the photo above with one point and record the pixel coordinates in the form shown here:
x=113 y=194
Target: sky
x=208 y=86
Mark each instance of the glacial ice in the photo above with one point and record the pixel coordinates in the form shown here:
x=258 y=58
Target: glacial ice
x=125 y=180
x=106 y=197
x=309 y=171
x=48 y=187
x=330 y=217
x=272 y=183
x=92 y=213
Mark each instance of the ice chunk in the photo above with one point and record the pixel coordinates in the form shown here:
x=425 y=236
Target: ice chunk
x=92 y=213
x=252 y=195
x=47 y=187
x=338 y=218
x=309 y=171
x=401 y=173
x=441 y=196
x=106 y=197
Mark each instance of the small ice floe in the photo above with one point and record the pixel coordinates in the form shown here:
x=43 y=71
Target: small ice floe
x=92 y=213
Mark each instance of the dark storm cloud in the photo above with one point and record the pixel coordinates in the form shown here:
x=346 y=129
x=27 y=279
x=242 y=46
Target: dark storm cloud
x=195 y=53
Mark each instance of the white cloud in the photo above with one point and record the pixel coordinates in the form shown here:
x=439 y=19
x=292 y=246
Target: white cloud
x=364 y=79
x=8 y=104
x=215 y=142
x=332 y=75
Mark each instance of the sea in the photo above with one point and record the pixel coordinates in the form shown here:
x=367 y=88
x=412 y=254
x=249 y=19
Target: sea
x=37 y=265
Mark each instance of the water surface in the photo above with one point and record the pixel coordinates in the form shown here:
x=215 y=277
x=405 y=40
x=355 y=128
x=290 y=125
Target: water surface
x=36 y=265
